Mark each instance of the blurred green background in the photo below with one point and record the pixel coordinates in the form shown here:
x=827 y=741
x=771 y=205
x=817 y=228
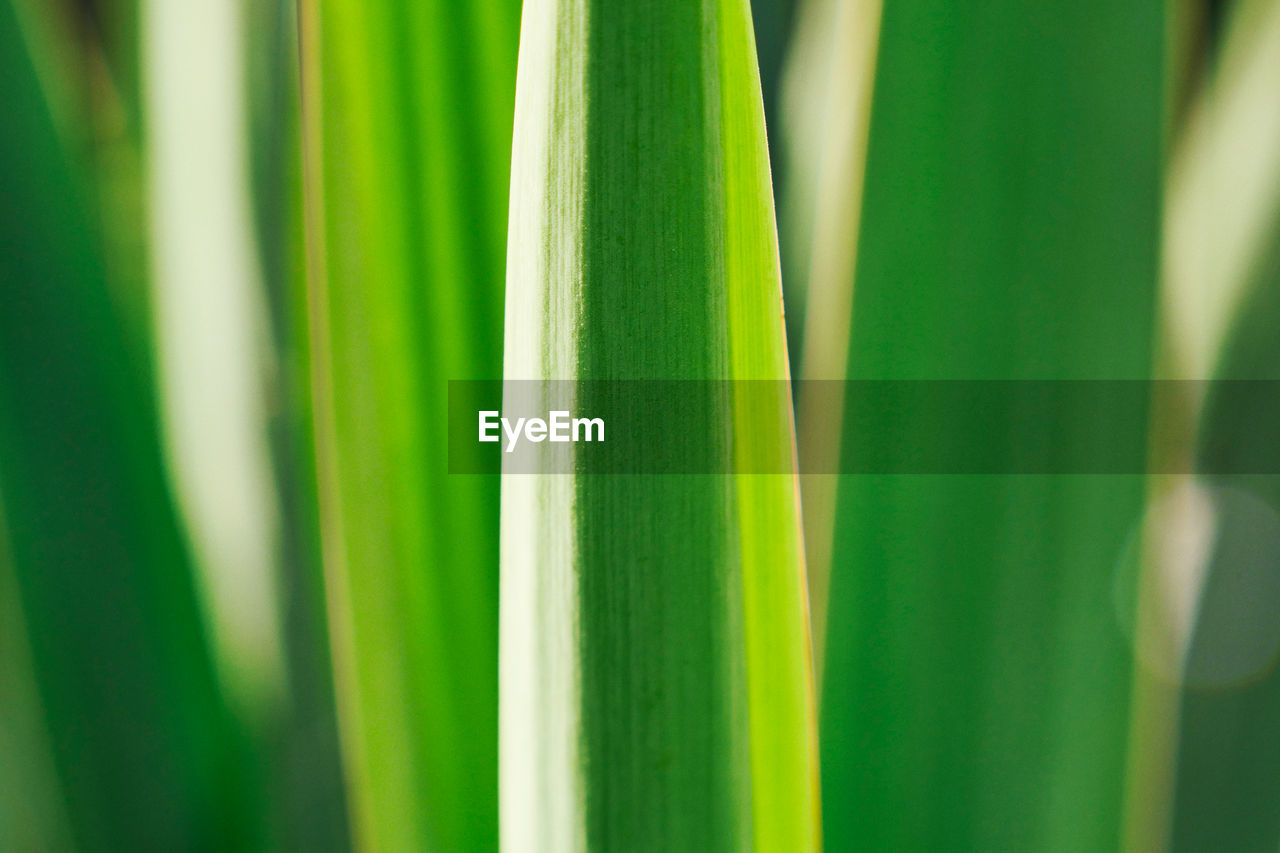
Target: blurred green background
x=244 y=245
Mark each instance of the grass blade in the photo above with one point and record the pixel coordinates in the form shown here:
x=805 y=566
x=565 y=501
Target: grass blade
x=829 y=86
x=146 y=752
x=1216 y=736
x=655 y=664
x=976 y=684
x=207 y=303
x=406 y=125
x=305 y=762
x=1188 y=785
x=32 y=812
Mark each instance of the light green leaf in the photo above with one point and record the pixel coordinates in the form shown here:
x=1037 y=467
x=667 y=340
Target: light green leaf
x=407 y=125
x=830 y=74
x=1217 y=535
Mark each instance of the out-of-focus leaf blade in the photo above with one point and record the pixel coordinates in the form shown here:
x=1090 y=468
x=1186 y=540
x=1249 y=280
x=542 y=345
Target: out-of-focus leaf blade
x=976 y=684
x=32 y=812
x=209 y=323
x=1223 y=752
x=829 y=84
x=145 y=750
x=1202 y=769
x=306 y=769
x=407 y=111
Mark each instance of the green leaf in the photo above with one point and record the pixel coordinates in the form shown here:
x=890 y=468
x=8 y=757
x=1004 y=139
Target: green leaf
x=304 y=761
x=407 y=110
x=1221 y=753
x=208 y=326
x=656 y=686
x=976 y=685
x=829 y=83
x=1204 y=767
x=145 y=750
x=32 y=812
